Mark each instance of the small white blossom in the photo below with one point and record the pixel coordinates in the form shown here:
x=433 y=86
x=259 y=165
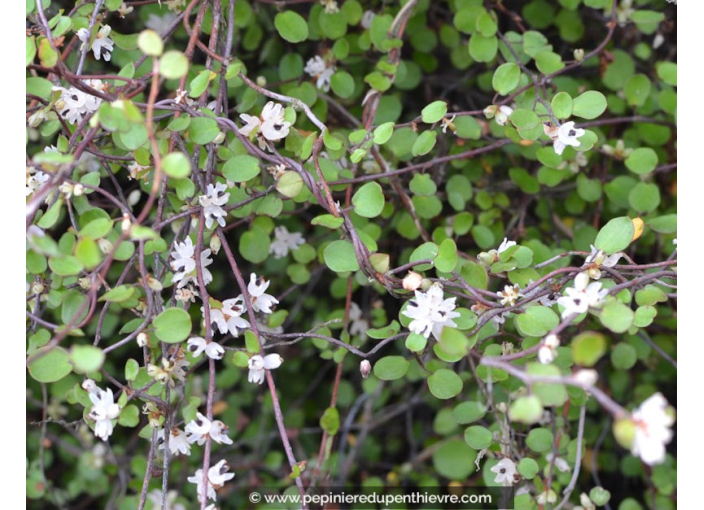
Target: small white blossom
x=317 y=68
x=185 y=264
x=218 y=432
x=505 y=245
x=197 y=429
x=257 y=366
x=566 y=135
x=502 y=115
x=35 y=181
x=548 y=351
x=580 y=297
x=156 y=499
x=285 y=241
x=229 y=317
x=412 y=281
x=270 y=124
x=73 y=105
x=212 y=203
x=510 y=294
x=103 y=411
x=358 y=324
x=597 y=259
x=217 y=476
x=197 y=346
x=546 y=497
x=560 y=463
x=653 y=421
x=160 y=24
x=261 y=302
x=251 y=124
x=505 y=471
x=431 y=312
x=102 y=45
x=178 y=443
x=330 y=6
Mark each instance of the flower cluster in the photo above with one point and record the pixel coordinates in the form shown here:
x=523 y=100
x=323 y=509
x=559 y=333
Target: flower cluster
x=185 y=264
x=174 y=366
x=431 y=312
x=258 y=364
x=212 y=203
x=270 y=125
x=102 y=45
x=197 y=346
x=582 y=296
x=198 y=430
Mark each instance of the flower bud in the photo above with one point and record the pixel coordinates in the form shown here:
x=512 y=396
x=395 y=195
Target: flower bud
x=104 y=245
x=37 y=288
x=215 y=244
x=261 y=81
x=78 y=190
x=89 y=385
x=487 y=258
x=154 y=284
x=84 y=282
x=587 y=377
x=579 y=54
x=502 y=407
x=142 y=339
x=133 y=197
x=412 y=281
x=219 y=138
x=490 y=111
x=126 y=223
x=365 y=368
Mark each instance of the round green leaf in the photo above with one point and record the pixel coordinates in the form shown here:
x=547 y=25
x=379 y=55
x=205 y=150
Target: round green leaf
x=241 y=168
x=483 y=49
x=548 y=62
x=624 y=356
x=506 y=78
x=615 y=236
x=86 y=358
x=383 y=132
x=254 y=245
x=617 y=317
x=637 y=89
x=642 y=160
x=467 y=412
x=172 y=326
x=176 y=165
x=644 y=197
x=527 y=410
x=173 y=65
x=562 y=105
x=368 y=201
x=528 y=468
x=289 y=184
x=454 y=460
x=667 y=72
x=342 y=84
x=150 y=43
x=424 y=143
x=291 y=26
x=589 y=105
x=539 y=440
x=390 y=368
x=129 y=416
x=587 y=348
x=340 y=257
x=53 y=365
x=478 y=437
x=447 y=258
x=203 y=130
x=434 y=112
x=445 y=384
x=537 y=321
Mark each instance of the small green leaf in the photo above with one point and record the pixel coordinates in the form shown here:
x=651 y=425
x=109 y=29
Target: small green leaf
x=587 y=348
x=390 y=368
x=447 y=258
x=31 y=50
x=434 y=112
x=203 y=130
x=86 y=358
x=539 y=440
x=562 y=105
x=50 y=365
x=129 y=416
x=173 y=325
x=118 y=294
x=383 y=132
x=369 y=201
x=289 y=184
x=528 y=468
x=173 y=65
x=342 y=84
x=624 y=356
x=483 y=49
x=445 y=384
x=548 y=62
x=330 y=421
x=642 y=160
x=527 y=409
x=340 y=257
x=424 y=143
x=150 y=43
x=291 y=26
x=506 y=78
x=131 y=369
x=327 y=221
x=176 y=165
x=254 y=245
x=537 y=321
x=589 y=105
x=468 y=412
x=615 y=236
x=478 y=437
x=637 y=89
x=616 y=316
x=241 y=168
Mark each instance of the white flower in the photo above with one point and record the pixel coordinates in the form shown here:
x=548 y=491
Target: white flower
x=597 y=259
x=184 y=260
x=261 y=302
x=285 y=241
x=330 y=6
x=35 y=182
x=502 y=115
x=160 y=23
x=218 y=432
x=136 y=170
x=198 y=346
x=510 y=294
x=124 y=10
x=102 y=45
x=580 y=297
x=251 y=124
x=229 y=317
x=74 y=104
x=317 y=68
x=653 y=420
x=430 y=312
x=103 y=411
x=566 y=135
x=367 y=19
x=156 y=498
x=217 y=476
x=197 y=430
x=212 y=203
x=257 y=366
x=505 y=471
x=548 y=351
x=560 y=463
x=274 y=127
x=358 y=324
x=178 y=442
x=505 y=245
